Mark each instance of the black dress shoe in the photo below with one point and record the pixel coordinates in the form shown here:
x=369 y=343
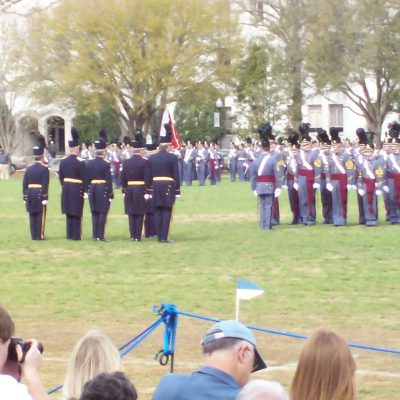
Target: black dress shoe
x=103 y=240
x=167 y=241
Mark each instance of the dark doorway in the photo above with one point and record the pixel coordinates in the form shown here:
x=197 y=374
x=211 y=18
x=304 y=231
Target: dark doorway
x=56 y=132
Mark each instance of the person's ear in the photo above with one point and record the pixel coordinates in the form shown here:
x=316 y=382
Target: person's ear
x=242 y=353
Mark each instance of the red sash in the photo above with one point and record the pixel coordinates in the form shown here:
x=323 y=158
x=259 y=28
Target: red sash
x=370 y=189
x=266 y=178
x=309 y=174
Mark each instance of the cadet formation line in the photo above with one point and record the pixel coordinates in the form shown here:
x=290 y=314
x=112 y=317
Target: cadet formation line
x=150 y=178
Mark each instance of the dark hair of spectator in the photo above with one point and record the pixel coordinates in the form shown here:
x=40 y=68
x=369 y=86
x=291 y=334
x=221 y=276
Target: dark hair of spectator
x=7 y=327
x=105 y=386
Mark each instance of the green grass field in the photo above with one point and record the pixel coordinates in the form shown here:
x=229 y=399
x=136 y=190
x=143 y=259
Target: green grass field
x=345 y=279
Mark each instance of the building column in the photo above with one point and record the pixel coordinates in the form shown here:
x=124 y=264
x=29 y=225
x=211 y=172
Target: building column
x=67 y=133
x=42 y=126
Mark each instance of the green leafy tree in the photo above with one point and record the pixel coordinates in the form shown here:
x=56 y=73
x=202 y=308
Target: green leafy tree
x=355 y=49
x=194 y=115
x=89 y=124
x=283 y=24
x=140 y=54
x=259 y=87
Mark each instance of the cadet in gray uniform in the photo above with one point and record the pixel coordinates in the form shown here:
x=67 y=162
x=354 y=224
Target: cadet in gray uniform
x=307 y=181
x=265 y=183
x=232 y=162
x=392 y=182
x=369 y=184
x=336 y=182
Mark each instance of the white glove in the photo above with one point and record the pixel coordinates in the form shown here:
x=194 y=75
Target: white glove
x=284 y=187
x=329 y=187
x=146 y=196
x=316 y=185
x=110 y=200
x=378 y=192
x=361 y=192
x=386 y=189
x=349 y=187
x=255 y=192
x=354 y=187
x=85 y=195
x=295 y=186
x=44 y=202
x=177 y=196
x=123 y=195
x=277 y=192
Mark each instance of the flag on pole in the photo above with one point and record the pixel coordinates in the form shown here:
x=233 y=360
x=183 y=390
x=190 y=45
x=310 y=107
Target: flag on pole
x=246 y=290
x=176 y=139
x=167 y=118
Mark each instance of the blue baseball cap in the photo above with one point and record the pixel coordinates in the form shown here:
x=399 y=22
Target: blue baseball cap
x=234 y=329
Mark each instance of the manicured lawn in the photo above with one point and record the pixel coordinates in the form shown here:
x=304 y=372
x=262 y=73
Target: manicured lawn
x=346 y=279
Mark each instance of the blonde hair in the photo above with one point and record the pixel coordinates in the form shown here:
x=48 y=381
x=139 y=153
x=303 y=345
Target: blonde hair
x=93 y=354
x=325 y=370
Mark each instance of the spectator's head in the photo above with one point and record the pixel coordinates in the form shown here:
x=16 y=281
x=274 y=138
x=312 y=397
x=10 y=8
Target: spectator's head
x=6 y=331
x=232 y=348
x=93 y=354
x=105 y=386
x=259 y=389
x=325 y=370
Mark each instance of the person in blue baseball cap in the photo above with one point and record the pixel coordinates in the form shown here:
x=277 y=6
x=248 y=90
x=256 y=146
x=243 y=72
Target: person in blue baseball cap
x=230 y=356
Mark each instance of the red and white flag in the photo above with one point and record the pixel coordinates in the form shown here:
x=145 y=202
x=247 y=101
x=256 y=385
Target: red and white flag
x=168 y=119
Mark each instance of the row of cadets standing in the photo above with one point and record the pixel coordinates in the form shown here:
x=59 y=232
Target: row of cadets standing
x=136 y=188
x=200 y=162
x=72 y=175
x=165 y=184
x=35 y=189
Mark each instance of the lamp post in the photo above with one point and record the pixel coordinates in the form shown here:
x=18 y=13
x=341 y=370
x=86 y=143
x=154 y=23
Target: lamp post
x=217 y=115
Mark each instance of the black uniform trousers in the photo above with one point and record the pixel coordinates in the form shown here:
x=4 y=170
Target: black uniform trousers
x=149 y=225
x=74 y=227
x=162 y=221
x=98 y=224
x=37 y=222
x=136 y=226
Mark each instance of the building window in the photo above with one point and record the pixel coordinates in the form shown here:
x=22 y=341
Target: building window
x=315 y=116
x=258 y=7
x=336 y=115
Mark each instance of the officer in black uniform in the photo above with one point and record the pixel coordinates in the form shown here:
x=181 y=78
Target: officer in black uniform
x=136 y=187
x=72 y=174
x=149 y=219
x=166 y=185
x=35 y=192
x=100 y=190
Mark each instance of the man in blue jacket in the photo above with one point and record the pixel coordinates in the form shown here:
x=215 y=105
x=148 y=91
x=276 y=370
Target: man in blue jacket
x=230 y=356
